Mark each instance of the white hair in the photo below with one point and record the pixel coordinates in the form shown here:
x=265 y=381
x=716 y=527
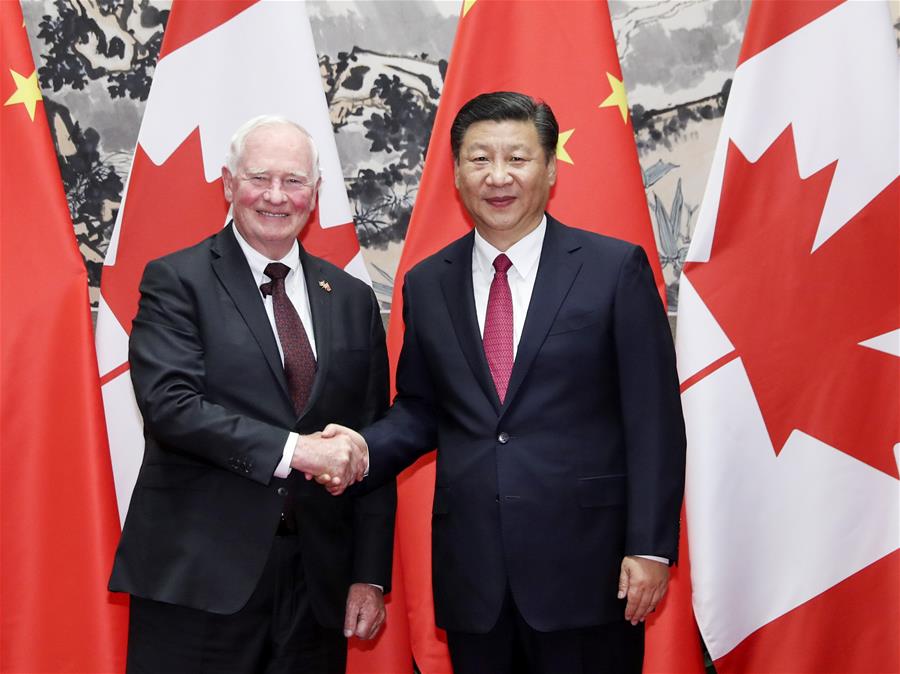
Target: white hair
x=239 y=139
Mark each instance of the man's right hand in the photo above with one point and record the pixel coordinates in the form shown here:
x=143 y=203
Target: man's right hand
x=338 y=457
x=336 y=430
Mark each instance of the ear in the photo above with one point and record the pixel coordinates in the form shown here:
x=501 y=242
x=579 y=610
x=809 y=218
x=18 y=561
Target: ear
x=228 y=183
x=456 y=173
x=551 y=170
x=315 y=194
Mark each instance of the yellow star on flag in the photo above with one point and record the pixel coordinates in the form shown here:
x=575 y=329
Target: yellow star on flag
x=561 y=153
x=467 y=5
x=617 y=98
x=27 y=92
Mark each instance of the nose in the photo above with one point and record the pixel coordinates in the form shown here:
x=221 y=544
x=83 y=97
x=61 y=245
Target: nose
x=275 y=194
x=499 y=174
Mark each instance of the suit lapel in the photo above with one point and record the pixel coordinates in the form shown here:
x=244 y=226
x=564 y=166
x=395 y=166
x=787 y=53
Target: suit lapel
x=320 y=306
x=230 y=266
x=456 y=284
x=556 y=272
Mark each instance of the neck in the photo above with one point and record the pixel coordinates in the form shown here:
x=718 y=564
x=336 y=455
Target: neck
x=504 y=240
x=272 y=250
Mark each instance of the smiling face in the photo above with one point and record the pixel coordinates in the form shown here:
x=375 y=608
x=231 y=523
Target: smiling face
x=504 y=179
x=273 y=189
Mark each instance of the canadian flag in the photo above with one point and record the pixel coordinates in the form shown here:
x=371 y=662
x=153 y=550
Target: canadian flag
x=221 y=63
x=789 y=351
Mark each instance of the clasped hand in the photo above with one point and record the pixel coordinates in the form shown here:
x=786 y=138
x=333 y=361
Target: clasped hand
x=335 y=457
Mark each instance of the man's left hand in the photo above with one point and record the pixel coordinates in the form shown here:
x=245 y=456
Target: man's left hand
x=365 y=611
x=644 y=582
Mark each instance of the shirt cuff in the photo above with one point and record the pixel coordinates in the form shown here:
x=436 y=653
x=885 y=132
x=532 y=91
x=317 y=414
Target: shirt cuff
x=663 y=560
x=283 y=469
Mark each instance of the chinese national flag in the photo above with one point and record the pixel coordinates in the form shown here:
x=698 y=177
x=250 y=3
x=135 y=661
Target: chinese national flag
x=789 y=351
x=221 y=63
x=58 y=521
x=565 y=54
x=672 y=639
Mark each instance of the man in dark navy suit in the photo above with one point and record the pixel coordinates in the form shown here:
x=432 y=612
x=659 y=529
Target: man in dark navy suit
x=537 y=358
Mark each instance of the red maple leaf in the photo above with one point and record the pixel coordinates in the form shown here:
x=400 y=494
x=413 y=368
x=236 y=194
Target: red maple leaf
x=796 y=316
x=168 y=207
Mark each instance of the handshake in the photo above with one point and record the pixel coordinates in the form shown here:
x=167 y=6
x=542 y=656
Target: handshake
x=335 y=457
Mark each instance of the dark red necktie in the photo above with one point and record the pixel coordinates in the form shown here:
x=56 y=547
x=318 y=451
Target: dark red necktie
x=498 y=327
x=299 y=362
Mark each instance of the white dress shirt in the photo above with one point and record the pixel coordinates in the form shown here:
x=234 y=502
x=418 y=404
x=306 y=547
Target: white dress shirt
x=524 y=255
x=295 y=287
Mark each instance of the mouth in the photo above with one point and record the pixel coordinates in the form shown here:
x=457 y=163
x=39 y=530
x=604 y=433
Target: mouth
x=500 y=202
x=270 y=214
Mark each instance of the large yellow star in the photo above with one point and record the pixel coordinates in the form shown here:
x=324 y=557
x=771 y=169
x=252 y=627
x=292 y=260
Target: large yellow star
x=561 y=153
x=617 y=98
x=467 y=5
x=28 y=93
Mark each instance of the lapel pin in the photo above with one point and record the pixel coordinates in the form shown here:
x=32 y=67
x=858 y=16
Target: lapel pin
x=324 y=285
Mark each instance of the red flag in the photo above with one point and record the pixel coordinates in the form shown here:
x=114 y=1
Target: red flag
x=58 y=522
x=565 y=54
x=221 y=63
x=789 y=351
x=673 y=640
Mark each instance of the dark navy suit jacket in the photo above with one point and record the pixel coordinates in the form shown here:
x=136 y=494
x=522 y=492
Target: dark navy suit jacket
x=581 y=465
x=213 y=394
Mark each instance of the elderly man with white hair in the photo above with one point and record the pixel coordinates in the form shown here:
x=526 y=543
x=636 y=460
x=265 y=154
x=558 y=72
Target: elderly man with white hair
x=245 y=345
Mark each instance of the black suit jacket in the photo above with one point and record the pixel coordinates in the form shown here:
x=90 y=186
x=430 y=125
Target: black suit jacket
x=581 y=465
x=212 y=391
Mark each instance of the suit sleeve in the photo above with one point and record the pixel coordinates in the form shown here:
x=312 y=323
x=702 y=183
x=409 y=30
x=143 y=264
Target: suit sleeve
x=168 y=371
x=374 y=512
x=409 y=429
x=651 y=412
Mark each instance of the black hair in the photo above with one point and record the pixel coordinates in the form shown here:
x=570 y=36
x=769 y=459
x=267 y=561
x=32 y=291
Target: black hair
x=501 y=106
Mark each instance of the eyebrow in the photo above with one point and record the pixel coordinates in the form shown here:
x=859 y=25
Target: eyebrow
x=260 y=171
x=482 y=146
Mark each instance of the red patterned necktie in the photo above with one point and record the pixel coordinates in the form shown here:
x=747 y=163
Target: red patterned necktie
x=299 y=362
x=498 y=327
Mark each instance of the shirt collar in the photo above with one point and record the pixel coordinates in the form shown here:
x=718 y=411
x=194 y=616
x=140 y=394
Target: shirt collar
x=258 y=262
x=524 y=253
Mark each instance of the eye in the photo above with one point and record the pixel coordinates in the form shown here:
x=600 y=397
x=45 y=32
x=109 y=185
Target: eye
x=258 y=179
x=480 y=159
x=517 y=159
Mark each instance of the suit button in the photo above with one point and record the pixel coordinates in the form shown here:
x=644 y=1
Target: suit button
x=281 y=491
x=503 y=438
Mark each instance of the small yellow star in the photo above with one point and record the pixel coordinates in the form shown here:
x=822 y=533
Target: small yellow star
x=27 y=92
x=617 y=98
x=561 y=153
x=467 y=5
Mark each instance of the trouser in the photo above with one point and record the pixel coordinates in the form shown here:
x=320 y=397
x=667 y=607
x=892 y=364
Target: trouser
x=274 y=633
